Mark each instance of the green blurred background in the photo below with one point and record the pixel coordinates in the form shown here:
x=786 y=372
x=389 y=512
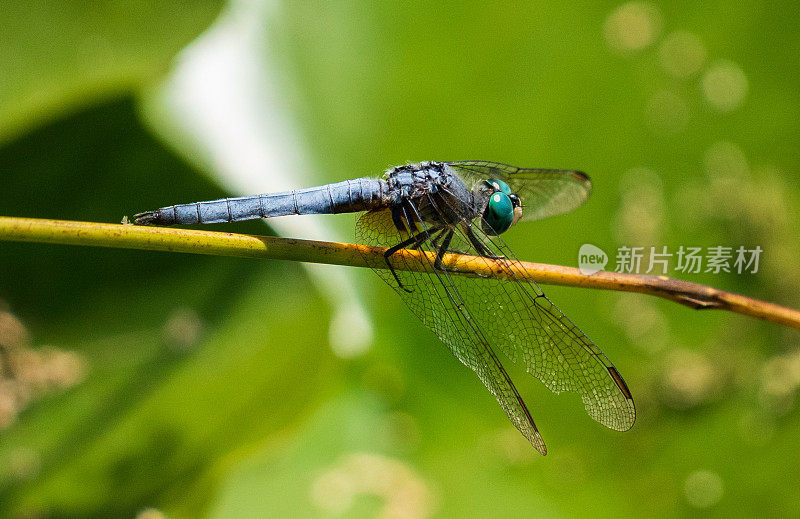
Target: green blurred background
x=143 y=384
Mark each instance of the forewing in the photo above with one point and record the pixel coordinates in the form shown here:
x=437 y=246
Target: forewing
x=447 y=306
x=543 y=192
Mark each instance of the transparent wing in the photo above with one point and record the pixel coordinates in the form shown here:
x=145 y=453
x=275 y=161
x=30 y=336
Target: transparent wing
x=522 y=322
x=436 y=298
x=473 y=315
x=543 y=192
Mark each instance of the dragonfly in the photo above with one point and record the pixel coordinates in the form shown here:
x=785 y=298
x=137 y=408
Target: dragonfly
x=441 y=208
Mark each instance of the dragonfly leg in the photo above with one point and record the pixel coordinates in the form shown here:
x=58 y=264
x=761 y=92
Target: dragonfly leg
x=414 y=241
x=410 y=221
x=443 y=249
x=437 y=264
x=402 y=221
x=434 y=241
x=479 y=246
x=397 y=219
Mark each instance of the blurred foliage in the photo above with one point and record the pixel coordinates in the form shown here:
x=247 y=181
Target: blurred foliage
x=59 y=56
x=210 y=387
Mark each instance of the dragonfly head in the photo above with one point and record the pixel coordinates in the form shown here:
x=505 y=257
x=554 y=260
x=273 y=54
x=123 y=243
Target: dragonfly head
x=503 y=208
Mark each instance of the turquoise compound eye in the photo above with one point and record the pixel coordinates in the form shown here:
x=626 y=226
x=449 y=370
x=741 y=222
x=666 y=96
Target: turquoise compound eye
x=499 y=214
x=499 y=185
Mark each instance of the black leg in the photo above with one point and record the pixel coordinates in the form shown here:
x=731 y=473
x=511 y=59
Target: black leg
x=480 y=248
x=415 y=241
x=411 y=222
x=442 y=249
x=398 y=220
x=434 y=243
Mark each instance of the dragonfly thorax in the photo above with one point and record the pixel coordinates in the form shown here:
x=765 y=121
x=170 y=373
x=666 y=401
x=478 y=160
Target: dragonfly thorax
x=431 y=192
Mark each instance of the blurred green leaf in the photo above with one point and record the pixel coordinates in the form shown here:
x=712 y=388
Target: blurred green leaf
x=59 y=56
x=151 y=420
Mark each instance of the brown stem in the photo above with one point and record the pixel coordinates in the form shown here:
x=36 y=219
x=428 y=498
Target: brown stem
x=693 y=295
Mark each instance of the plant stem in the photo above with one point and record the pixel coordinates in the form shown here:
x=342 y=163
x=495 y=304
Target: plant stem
x=166 y=239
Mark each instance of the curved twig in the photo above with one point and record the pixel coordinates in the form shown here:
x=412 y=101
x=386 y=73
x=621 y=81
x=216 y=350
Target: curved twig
x=693 y=295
